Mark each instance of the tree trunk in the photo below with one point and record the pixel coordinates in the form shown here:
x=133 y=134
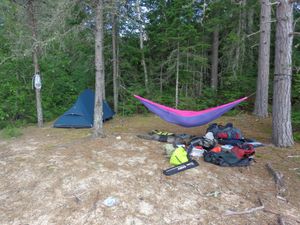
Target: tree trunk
x=200 y=84
x=215 y=58
x=161 y=80
x=262 y=88
x=243 y=36
x=250 y=53
x=250 y=15
x=32 y=22
x=282 y=127
x=237 y=64
x=177 y=78
x=99 y=64
x=115 y=56
x=143 y=62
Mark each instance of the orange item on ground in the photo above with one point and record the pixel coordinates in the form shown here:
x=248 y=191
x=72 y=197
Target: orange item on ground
x=217 y=149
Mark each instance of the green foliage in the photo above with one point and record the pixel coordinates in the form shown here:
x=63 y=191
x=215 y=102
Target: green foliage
x=296 y=118
x=296 y=87
x=11 y=132
x=297 y=136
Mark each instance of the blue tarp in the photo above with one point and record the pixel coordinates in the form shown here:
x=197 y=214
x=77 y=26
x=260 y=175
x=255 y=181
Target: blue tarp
x=81 y=114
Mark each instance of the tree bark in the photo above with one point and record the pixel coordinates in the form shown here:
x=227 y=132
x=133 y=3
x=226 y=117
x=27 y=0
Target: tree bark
x=32 y=22
x=262 y=88
x=177 y=78
x=250 y=52
x=161 y=79
x=238 y=61
x=250 y=15
x=282 y=135
x=99 y=65
x=143 y=62
x=115 y=56
x=215 y=59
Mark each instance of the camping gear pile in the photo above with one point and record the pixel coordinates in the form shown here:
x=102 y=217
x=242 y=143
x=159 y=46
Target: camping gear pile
x=237 y=151
x=221 y=145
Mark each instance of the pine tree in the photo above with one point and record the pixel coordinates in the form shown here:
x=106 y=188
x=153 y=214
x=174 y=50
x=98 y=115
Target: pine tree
x=282 y=134
x=99 y=65
x=262 y=89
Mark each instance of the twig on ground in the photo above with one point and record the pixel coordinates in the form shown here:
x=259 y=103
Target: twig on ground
x=279 y=180
x=95 y=201
x=281 y=198
x=247 y=211
x=293 y=156
x=77 y=199
x=294 y=169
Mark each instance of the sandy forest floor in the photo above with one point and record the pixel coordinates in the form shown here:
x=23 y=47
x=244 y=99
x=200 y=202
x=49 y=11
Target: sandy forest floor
x=62 y=176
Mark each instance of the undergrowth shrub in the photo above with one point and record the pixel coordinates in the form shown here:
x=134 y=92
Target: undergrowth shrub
x=11 y=131
x=297 y=136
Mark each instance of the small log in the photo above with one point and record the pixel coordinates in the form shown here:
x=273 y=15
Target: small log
x=279 y=181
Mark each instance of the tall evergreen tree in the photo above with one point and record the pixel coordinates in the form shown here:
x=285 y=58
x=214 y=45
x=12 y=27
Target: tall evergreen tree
x=99 y=65
x=141 y=37
x=215 y=60
x=115 y=47
x=32 y=23
x=282 y=134
x=262 y=88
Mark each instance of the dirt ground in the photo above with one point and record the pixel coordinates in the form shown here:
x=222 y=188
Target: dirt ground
x=62 y=176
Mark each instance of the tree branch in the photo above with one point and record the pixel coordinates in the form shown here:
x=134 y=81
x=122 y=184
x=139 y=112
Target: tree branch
x=274 y=3
x=4 y=60
x=294 y=33
x=249 y=35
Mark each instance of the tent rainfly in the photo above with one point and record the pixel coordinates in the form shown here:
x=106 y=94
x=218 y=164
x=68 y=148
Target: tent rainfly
x=81 y=114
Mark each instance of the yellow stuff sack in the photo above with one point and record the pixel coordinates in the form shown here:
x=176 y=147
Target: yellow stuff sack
x=179 y=156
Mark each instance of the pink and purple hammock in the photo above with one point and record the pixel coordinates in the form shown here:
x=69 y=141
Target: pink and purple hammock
x=188 y=118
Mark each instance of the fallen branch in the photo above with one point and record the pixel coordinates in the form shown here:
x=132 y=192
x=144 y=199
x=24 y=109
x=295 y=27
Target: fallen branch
x=247 y=211
x=279 y=181
x=281 y=198
x=95 y=202
x=294 y=169
x=293 y=156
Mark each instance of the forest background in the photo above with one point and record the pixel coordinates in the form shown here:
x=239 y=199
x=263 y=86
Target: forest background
x=164 y=52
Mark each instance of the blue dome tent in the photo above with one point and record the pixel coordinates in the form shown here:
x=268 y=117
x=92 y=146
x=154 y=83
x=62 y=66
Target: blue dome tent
x=81 y=114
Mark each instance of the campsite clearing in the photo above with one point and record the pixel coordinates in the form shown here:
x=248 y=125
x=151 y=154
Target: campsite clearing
x=62 y=176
